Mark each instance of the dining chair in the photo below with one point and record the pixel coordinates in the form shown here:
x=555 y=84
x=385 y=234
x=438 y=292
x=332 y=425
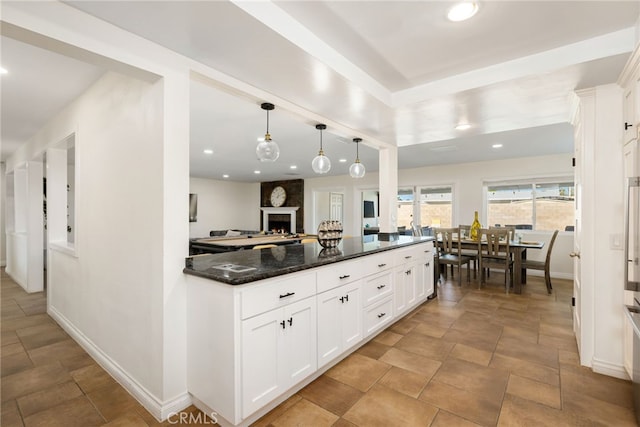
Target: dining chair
x=493 y=247
x=416 y=230
x=450 y=251
x=543 y=265
x=465 y=231
x=264 y=246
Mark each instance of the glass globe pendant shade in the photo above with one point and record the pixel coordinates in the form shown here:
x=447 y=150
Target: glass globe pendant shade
x=356 y=170
x=321 y=163
x=267 y=150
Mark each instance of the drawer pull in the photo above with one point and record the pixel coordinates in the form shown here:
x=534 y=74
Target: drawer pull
x=407 y=272
x=345 y=276
x=291 y=321
x=288 y=294
x=427 y=264
x=282 y=323
x=381 y=286
x=427 y=251
x=408 y=256
x=381 y=265
x=381 y=315
x=344 y=299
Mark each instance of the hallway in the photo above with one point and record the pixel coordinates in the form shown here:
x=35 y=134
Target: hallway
x=470 y=357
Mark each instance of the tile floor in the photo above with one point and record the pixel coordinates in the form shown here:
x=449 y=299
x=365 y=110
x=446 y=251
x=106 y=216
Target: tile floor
x=469 y=357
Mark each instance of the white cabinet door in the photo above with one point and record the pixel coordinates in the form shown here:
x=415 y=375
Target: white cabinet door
x=629 y=112
x=298 y=352
x=405 y=289
x=278 y=350
x=339 y=321
x=400 y=291
x=261 y=382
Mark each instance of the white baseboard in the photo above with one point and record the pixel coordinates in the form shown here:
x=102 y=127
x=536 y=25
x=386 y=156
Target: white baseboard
x=159 y=409
x=610 y=369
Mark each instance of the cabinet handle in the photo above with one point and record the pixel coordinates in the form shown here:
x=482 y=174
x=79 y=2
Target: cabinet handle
x=427 y=264
x=290 y=321
x=381 y=265
x=345 y=276
x=381 y=315
x=282 y=323
x=381 y=286
x=407 y=272
x=288 y=294
x=344 y=299
x=627 y=125
x=408 y=256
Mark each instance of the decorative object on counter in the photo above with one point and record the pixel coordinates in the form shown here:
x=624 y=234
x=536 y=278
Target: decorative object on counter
x=267 y=150
x=475 y=227
x=329 y=253
x=321 y=163
x=356 y=170
x=329 y=233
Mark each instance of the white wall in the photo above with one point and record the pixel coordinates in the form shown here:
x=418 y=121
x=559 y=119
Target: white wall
x=3 y=207
x=467 y=181
x=225 y=205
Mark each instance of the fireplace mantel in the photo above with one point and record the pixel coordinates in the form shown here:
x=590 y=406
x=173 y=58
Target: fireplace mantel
x=284 y=210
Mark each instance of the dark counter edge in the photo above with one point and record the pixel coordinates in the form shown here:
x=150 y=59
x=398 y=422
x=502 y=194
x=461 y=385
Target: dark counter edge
x=249 y=278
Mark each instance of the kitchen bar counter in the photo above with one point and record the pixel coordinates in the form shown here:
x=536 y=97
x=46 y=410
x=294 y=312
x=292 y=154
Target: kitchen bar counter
x=240 y=267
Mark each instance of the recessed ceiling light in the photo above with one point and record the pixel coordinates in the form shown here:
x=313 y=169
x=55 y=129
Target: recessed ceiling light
x=208 y=151
x=256 y=172
x=3 y=70
x=462 y=11
x=225 y=176
x=293 y=167
x=463 y=126
x=343 y=160
x=496 y=146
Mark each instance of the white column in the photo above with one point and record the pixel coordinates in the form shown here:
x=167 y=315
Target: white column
x=388 y=184
x=35 y=231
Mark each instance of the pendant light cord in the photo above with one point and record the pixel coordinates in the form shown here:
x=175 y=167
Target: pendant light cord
x=320 y=139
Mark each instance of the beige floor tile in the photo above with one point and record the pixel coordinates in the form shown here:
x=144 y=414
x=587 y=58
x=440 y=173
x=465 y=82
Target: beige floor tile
x=527 y=369
x=47 y=398
x=373 y=349
x=25 y=322
x=78 y=412
x=10 y=415
x=9 y=337
x=112 y=401
x=406 y=382
x=276 y=412
x=430 y=329
x=32 y=380
x=387 y=338
x=486 y=341
x=358 y=371
x=15 y=348
x=432 y=348
x=538 y=392
x=608 y=389
x=471 y=354
x=521 y=412
x=477 y=408
x=489 y=382
x=15 y=363
x=416 y=363
x=527 y=335
x=383 y=406
x=60 y=351
x=129 y=420
x=331 y=395
x=305 y=413
x=41 y=339
x=404 y=326
x=343 y=423
x=561 y=343
x=536 y=353
x=596 y=410
x=92 y=377
x=568 y=358
x=447 y=419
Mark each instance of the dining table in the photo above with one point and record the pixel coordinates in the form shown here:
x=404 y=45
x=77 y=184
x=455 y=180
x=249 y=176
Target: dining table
x=518 y=249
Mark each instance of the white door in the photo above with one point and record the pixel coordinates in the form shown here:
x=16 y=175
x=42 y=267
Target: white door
x=578 y=177
x=336 y=202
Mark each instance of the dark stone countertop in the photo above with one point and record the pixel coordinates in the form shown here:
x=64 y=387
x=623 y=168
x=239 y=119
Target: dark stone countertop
x=245 y=266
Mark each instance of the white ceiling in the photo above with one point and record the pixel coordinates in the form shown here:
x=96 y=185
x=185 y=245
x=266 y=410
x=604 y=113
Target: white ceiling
x=391 y=72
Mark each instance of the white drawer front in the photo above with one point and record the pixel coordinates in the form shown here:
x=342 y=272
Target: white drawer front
x=412 y=253
x=338 y=274
x=377 y=287
x=277 y=292
x=378 y=315
x=376 y=263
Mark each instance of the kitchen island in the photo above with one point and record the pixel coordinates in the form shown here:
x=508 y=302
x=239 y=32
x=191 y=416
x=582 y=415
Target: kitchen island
x=264 y=323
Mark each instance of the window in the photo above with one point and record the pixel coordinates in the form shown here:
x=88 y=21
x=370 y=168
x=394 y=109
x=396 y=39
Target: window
x=436 y=206
x=532 y=205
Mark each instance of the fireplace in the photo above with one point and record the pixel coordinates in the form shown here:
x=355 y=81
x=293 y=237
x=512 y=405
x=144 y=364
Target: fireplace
x=280 y=218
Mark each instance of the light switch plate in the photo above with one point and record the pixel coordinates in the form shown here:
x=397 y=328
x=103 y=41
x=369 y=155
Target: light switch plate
x=615 y=241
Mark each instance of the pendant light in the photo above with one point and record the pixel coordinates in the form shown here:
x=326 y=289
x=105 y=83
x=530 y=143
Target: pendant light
x=356 y=170
x=321 y=163
x=267 y=150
